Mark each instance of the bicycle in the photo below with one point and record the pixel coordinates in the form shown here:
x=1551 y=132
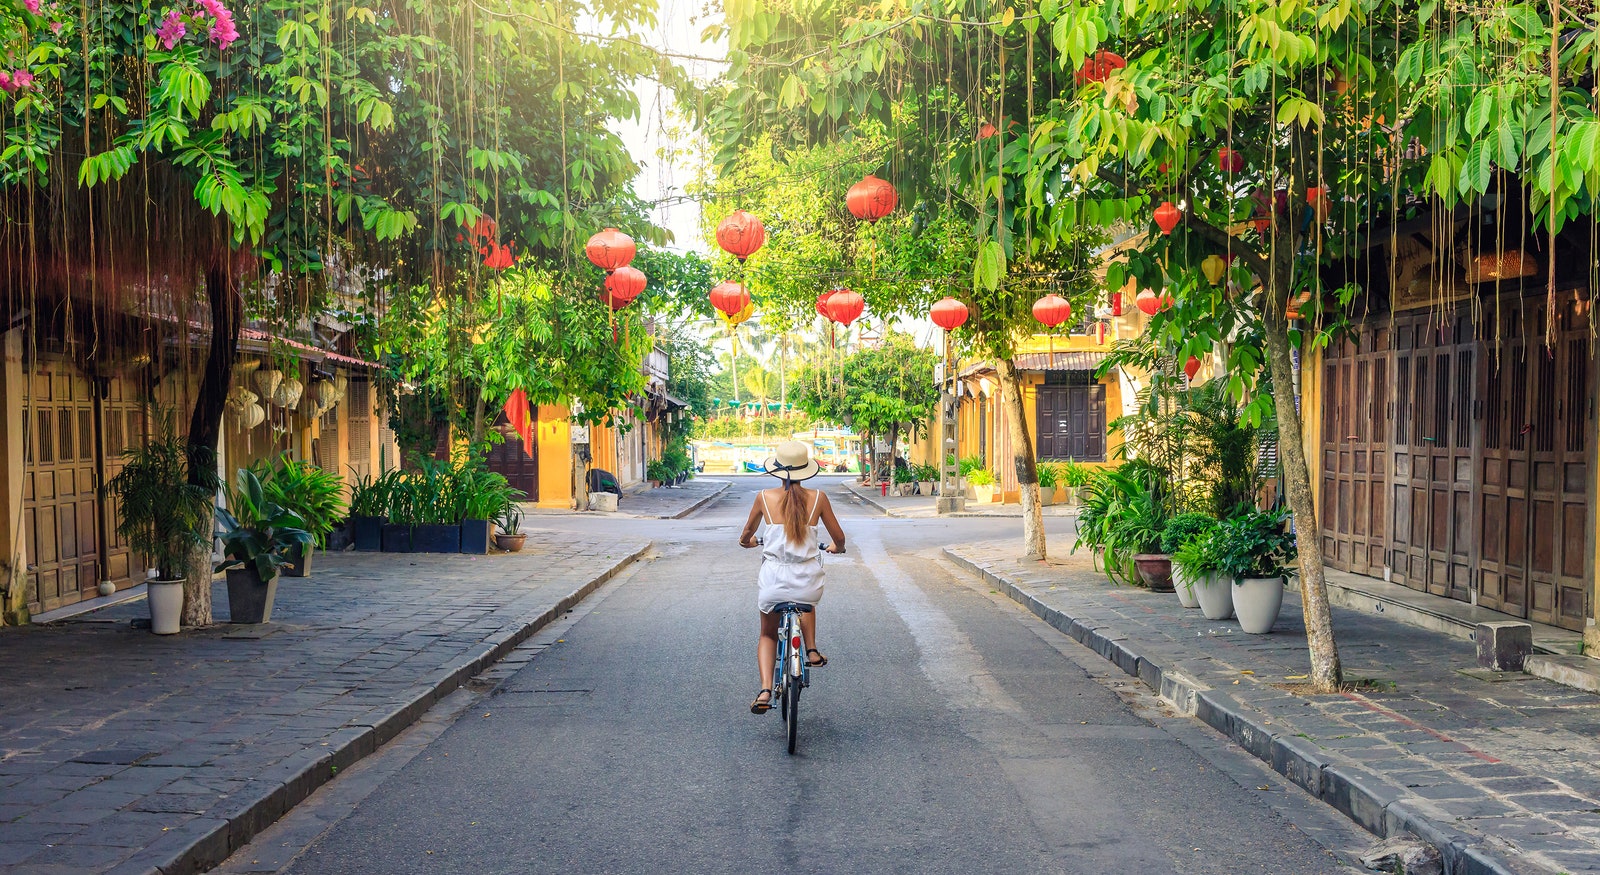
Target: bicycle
x=791 y=673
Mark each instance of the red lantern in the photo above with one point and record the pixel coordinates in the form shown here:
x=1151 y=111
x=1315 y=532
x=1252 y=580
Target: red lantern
x=622 y=286
x=986 y=130
x=949 y=314
x=1167 y=216
x=741 y=234
x=822 y=305
x=1052 y=310
x=730 y=298
x=1229 y=161
x=499 y=257
x=845 y=306
x=1098 y=67
x=1116 y=303
x=871 y=199
x=1317 y=197
x=610 y=249
x=1191 y=367
x=1100 y=333
x=1147 y=302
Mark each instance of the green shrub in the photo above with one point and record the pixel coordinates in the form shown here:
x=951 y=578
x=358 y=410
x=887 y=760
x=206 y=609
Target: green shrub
x=1048 y=476
x=1075 y=476
x=1256 y=544
x=314 y=495
x=658 y=471
x=160 y=513
x=980 y=477
x=969 y=465
x=1181 y=528
x=908 y=474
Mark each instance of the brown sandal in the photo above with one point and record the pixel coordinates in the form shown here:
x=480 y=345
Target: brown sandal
x=760 y=707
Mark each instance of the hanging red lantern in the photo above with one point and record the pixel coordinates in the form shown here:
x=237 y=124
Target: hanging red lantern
x=1099 y=66
x=845 y=306
x=1116 y=303
x=622 y=286
x=730 y=298
x=1100 y=333
x=949 y=313
x=822 y=305
x=1167 y=216
x=610 y=249
x=499 y=257
x=1147 y=302
x=1191 y=367
x=986 y=130
x=485 y=228
x=871 y=199
x=741 y=234
x=1229 y=161
x=1317 y=197
x=1052 y=310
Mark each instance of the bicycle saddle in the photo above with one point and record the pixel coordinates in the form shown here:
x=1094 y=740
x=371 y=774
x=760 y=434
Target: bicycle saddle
x=780 y=607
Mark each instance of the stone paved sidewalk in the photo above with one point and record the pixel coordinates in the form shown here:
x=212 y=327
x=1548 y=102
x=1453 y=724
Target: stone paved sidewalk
x=922 y=506
x=662 y=502
x=121 y=751
x=1502 y=775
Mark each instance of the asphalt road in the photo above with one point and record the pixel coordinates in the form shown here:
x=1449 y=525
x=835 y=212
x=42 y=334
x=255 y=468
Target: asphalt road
x=951 y=732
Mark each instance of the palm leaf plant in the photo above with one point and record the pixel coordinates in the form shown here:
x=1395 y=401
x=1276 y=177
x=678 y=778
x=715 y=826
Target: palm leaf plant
x=161 y=514
x=257 y=533
x=315 y=495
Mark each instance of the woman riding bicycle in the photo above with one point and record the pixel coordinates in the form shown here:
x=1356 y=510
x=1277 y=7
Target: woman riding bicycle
x=791 y=555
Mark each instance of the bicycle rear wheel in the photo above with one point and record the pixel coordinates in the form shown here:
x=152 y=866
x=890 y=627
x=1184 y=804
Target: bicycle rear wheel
x=792 y=704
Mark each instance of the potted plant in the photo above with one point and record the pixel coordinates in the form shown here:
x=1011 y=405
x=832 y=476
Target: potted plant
x=1183 y=530
x=1136 y=529
x=982 y=482
x=482 y=493
x=905 y=480
x=314 y=495
x=369 y=510
x=1048 y=479
x=436 y=508
x=1209 y=586
x=1258 y=552
x=509 y=520
x=927 y=478
x=401 y=515
x=163 y=517
x=658 y=473
x=1074 y=478
x=257 y=536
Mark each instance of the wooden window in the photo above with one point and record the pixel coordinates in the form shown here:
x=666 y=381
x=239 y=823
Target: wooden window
x=1070 y=422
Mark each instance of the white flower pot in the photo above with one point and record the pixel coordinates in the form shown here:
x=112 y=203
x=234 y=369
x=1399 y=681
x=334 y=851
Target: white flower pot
x=1186 y=586
x=1215 y=594
x=166 y=605
x=1256 y=600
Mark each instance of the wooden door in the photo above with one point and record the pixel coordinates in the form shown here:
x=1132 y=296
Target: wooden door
x=124 y=423
x=1355 y=487
x=1050 y=415
x=60 y=502
x=1070 y=420
x=1432 y=489
x=510 y=460
x=1502 y=523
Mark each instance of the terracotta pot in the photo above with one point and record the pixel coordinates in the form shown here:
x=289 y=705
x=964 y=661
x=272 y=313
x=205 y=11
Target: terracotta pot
x=1155 y=570
x=510 y=543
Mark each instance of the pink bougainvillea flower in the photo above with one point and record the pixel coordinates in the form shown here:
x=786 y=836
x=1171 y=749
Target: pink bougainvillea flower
x=55 y=27
x=33 y=6
x=22 y=79
x=171 y=30
x=223 y=33
x=6 y=83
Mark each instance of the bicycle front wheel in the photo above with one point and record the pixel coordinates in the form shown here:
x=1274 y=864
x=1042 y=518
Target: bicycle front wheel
x=792 y=702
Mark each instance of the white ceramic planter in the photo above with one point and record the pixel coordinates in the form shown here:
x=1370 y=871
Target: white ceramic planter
x=1256 y=600
x=1186 y=587
x=1215 y=594
x=166 y=605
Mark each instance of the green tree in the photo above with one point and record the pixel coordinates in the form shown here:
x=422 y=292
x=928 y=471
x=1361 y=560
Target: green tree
x=884 y=390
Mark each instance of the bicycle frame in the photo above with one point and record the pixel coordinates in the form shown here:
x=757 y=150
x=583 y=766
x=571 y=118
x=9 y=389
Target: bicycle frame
x=791 y=658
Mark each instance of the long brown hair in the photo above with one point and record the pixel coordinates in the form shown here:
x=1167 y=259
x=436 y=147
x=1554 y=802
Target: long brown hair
x=794 y=513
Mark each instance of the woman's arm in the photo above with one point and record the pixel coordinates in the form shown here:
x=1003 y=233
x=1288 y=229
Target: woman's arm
x=832 y=524
x=747 y=538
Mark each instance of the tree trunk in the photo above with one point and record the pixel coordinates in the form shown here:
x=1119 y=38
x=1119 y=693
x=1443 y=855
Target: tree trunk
x=783 y=372
x=1022 y=457
x=1326 y=673
x=205 y=423
x=478 y=409
x=894 y=443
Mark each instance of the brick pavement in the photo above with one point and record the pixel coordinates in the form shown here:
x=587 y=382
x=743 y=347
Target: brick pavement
x=121 y=751
x=1504 y=775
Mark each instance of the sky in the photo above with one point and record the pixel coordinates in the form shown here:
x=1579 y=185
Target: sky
x=679 y=28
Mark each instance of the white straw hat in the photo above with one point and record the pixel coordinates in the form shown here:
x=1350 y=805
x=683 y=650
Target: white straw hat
x=792 y=462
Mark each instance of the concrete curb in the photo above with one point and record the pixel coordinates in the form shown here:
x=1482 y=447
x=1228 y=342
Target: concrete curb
x=201 y=844
x=1374 y=803
x=871 y=502
x=697 y=505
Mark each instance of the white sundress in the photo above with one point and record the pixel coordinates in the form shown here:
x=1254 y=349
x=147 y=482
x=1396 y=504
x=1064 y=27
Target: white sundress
x=789 y=572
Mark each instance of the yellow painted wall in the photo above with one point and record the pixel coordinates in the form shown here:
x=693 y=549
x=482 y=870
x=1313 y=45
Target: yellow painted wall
x=555 y=456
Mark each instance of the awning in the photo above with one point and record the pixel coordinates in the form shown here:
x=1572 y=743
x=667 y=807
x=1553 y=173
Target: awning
x=308 y=351
x=1075 y=360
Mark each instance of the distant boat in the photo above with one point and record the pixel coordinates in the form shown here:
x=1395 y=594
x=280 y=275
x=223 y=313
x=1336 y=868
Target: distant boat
x=753 y=468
